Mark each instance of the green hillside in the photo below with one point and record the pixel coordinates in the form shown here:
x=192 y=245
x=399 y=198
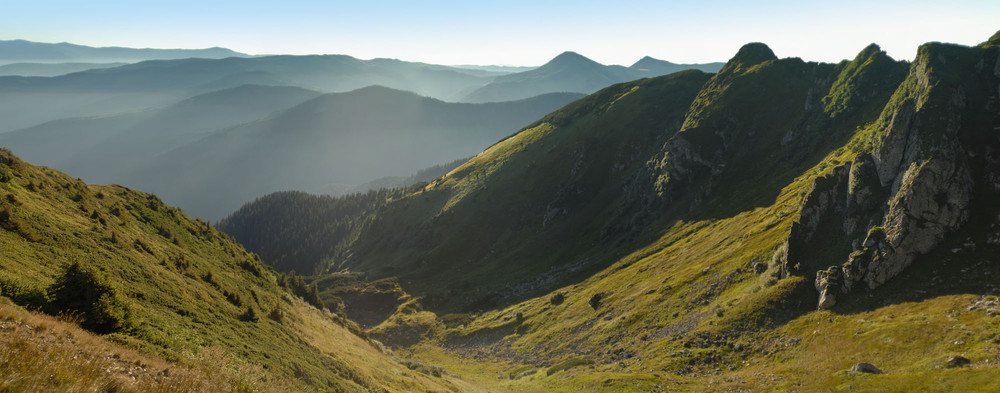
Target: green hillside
x=153 y=281
x=679 y=233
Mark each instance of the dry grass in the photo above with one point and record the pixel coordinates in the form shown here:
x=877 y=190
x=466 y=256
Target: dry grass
x=39 y=353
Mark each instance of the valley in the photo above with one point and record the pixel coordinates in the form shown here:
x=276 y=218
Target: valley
x=324 y=223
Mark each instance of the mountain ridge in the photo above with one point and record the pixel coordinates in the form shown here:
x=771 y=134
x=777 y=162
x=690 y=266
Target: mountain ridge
x=13 y=51
x=572 y=72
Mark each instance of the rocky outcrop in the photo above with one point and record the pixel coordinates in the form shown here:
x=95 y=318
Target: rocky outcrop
x=932 y=201
x=922 y=157
x=829 y=283
x=739 y=120
x=862 y=192
x=822 y=206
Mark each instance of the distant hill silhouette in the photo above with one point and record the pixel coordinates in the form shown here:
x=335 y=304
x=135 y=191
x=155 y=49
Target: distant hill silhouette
x=29 y=101
x=656 y=67
x=572 y=72
x=347 y=138
x=18 y=51
x=50 y=69
x=101 y=149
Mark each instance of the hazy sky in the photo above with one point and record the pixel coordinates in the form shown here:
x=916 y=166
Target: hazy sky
x=515 y=32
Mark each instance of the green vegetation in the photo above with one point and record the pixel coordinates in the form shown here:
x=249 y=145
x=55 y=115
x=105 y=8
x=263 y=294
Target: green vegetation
x=123 y=264
x=568 y=364
x=293 y=230
x=90 y=296
x=42 y=353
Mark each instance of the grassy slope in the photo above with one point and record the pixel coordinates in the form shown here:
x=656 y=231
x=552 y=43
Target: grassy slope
x=661 y=326
x=547 y=193
x=177 y=273
x=43 y=353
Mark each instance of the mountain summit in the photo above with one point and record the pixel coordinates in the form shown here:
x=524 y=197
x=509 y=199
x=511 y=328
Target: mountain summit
x=569 y=59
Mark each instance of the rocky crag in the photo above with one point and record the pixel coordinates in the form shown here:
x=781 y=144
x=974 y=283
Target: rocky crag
x=929 y=155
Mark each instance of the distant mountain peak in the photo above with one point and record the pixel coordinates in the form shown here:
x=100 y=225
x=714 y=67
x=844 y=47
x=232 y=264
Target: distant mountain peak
x=379 y=90
x=648 y=61
x=568 y=58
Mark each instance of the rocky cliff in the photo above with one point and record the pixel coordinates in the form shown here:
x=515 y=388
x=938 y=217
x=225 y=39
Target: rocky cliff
x=929 y=154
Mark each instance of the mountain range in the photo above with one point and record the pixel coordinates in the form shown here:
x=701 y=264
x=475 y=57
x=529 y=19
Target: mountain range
x=213 y=152
x=103 y=149
x=21 y=51
x=103 y=90
x=50 y=69
x=780 y=224
x=348 y=138
x=572 y=72
x=29 y=101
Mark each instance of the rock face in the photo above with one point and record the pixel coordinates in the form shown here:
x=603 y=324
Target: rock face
x=916 y=181
x=738 y=116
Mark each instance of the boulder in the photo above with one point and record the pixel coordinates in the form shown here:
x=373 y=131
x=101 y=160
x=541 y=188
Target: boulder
x=957 y=361
x=866 y=368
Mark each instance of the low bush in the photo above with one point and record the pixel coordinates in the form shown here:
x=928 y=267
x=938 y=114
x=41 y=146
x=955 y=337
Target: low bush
x=91 y=295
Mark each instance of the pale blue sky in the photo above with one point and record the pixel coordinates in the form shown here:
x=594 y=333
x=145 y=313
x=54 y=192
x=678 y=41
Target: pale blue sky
x=514 y=32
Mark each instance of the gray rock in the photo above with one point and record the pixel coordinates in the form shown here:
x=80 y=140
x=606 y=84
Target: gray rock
x=932 y=201
x=828 y=282
x=889 y=153
x=867 y=368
